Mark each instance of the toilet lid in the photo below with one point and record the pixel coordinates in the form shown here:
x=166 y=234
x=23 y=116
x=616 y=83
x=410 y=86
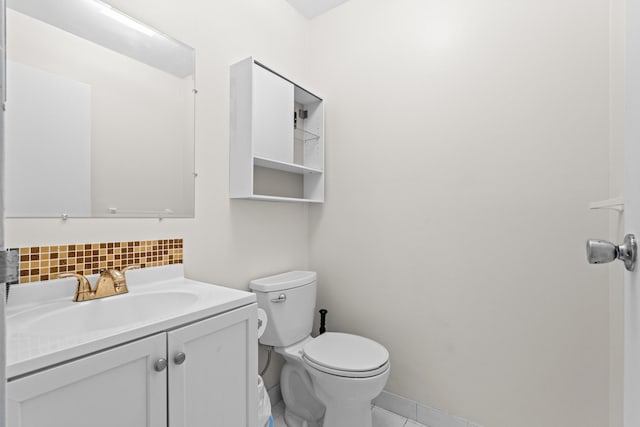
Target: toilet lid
x=345 y=353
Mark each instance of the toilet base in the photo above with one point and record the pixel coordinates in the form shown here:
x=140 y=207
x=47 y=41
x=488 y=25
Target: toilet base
x=348 y=415
x=347 y=400
x=292 y=420
x=302 y=407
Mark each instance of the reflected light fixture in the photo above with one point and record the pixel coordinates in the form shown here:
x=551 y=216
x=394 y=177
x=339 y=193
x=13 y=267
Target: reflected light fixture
x=120 y=17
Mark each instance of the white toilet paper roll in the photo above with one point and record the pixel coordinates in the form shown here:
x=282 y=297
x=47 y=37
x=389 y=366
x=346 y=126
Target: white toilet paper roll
x=262 y=322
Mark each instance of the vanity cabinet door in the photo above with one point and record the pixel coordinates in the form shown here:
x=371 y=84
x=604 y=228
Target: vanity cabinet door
x=117 y=387
x=215 y=383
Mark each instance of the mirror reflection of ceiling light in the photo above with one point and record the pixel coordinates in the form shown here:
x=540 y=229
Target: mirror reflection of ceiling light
x=116 y=15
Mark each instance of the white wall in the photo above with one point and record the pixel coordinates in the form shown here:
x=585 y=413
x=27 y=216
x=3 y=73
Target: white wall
x=228 y=242
x=465 y=140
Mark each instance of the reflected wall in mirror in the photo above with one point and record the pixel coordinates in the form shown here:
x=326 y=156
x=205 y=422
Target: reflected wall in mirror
x=100 y=114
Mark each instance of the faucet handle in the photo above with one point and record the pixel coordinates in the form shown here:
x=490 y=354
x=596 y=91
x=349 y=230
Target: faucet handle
x=83 y=291
x=119 y=279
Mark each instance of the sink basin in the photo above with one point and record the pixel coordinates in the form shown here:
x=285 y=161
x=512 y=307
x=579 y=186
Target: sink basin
x=45 y=327
x=122 y=311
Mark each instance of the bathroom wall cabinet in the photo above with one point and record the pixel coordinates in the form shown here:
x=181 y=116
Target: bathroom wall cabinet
x=276 y=137
x=125 y=385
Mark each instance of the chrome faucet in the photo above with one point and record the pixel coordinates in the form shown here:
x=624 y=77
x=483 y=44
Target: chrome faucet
x=111 y=282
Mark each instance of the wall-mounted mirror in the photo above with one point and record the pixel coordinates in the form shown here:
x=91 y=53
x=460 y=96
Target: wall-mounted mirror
x=100 y=114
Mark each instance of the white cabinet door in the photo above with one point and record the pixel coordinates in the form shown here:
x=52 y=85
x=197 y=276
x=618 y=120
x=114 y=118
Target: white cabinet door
x=216 y=385
x=272 y=127
x=117 y=387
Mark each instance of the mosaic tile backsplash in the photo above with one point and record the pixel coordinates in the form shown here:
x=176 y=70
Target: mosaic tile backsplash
x=45 y=262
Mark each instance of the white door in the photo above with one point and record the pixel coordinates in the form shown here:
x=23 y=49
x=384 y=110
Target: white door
x=117 y=387
x=213 y=371
x=632 y=213
x=2 y=294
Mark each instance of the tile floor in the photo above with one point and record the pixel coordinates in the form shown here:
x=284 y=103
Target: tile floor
x=381 y=418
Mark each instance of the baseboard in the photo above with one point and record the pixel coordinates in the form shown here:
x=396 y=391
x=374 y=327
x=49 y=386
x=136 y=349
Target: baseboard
x=419 y=413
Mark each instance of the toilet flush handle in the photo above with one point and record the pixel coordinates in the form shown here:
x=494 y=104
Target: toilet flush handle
x=281 y=298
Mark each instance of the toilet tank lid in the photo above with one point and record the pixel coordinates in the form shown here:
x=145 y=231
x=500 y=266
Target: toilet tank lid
x=279 y=282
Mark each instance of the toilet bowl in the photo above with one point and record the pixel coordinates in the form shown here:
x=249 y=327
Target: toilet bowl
x=328 y=381
x=347 y=372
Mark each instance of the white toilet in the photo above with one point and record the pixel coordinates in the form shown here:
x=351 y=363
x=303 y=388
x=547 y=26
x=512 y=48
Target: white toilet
x=328 y=381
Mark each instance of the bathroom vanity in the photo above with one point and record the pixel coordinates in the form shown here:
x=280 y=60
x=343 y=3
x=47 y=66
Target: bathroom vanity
x=172 y=352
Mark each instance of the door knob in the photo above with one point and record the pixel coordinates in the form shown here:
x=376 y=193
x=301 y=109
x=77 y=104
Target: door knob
x=601 y=251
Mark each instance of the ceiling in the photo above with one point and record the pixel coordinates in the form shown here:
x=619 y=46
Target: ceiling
x=313 y=8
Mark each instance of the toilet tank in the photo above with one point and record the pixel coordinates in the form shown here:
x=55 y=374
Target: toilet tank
x=289 y=299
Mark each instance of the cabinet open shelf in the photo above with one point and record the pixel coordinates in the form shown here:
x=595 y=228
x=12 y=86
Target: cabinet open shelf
x=276 y=144
x=283 y=166
x=305 y=135
x=281 y=199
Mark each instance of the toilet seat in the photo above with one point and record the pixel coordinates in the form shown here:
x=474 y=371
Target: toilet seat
x=346 y=355
x=347 y=374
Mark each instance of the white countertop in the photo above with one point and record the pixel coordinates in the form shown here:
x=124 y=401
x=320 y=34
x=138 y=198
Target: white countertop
x=30 y=350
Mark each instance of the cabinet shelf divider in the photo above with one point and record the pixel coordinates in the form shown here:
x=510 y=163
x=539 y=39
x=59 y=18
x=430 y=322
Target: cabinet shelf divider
x=284 y=166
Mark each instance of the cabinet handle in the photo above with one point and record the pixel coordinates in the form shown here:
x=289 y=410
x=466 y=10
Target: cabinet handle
x=179 y=358
x=160 y=365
